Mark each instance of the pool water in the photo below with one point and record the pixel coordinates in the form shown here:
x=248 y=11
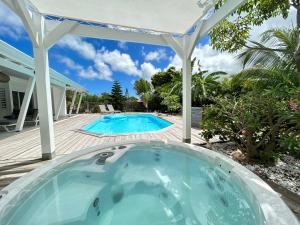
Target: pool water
x=147 y=185
x=126 y=123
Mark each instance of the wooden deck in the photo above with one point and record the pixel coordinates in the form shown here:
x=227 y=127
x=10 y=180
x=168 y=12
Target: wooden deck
x=21 y=152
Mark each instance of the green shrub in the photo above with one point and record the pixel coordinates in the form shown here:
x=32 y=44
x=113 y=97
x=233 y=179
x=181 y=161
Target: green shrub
x=291 y=143
x=253 y=122
x=290 y=138
x=155 y=103
x=172 y=102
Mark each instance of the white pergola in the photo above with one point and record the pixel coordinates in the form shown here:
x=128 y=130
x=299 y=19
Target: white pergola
x=178 y=24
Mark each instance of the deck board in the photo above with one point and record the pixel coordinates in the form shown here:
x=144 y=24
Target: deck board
x=21 y=152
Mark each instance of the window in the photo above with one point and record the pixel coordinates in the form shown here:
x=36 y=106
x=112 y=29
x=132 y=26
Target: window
x=15 y=96
x=18 y=99
x=3 y=104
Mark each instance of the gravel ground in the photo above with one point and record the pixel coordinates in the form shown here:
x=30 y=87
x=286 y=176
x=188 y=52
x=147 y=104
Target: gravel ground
x=285 y=173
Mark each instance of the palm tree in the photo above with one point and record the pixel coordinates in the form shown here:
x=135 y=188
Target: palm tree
x=275 y=50
x=205 y=85
x=145 y=97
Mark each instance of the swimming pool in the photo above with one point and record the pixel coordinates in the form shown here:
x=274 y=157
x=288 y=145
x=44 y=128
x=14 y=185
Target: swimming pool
x=126 y=123
x=145 y=183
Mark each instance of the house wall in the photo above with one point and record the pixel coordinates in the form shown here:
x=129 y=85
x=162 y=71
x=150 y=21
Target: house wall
x=19 y=85
x=56 y=94
x=5 y=101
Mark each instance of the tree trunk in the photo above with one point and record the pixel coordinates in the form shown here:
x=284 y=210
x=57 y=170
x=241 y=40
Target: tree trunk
x=297 y=53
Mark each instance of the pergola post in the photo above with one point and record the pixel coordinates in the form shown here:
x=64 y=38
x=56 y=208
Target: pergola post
x=186 y=95
x=184 y=48
x=79 y=103
x=60 y=102
x=72 y=103
x=44 y=101
x=25 y=103
x=41 y=42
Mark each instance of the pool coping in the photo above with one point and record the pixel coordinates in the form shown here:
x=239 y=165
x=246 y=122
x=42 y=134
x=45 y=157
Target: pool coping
x=273 y=209
x=125 y=134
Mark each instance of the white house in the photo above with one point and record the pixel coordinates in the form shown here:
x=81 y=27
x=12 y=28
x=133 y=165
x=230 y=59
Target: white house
x=17 y=86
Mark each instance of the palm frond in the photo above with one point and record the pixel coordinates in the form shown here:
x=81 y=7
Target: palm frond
x=276 y=47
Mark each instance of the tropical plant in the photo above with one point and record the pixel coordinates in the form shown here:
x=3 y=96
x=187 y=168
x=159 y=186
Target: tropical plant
x=290 y=138
x=174 y=87
x=253 y=122
x=261 y=81
x=205 y=85
x=105 y=98
x=172 y=102
x=236 y=29
x=145 y=97
x=142 y=86
x=144 y=89
x=163 y=77
x=274 y=51
x=155 y=103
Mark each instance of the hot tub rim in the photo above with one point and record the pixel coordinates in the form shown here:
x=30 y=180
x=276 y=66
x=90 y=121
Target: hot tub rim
x=273 y=208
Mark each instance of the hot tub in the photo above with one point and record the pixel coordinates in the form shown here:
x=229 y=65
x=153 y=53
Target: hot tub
x=141 y=183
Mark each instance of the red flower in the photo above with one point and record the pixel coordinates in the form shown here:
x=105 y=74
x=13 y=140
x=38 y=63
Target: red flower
x=293 y=104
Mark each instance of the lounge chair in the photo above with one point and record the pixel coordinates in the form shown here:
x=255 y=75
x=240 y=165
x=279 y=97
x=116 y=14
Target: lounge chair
x=112 y=110
x=103 y=109
x=13 y=116
x=8 y=125
x=34 y=118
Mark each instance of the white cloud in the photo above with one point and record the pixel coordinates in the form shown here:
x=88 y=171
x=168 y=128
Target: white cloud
x=147 y=70
x=10 y=24
x=123 y=45
x=118 y=61
x=274 y=22
x=104 y=71
x=157 y=55
x=98 y=71
x=69 y=63
x=83 y=48
x=91 y=74
x=104 y=61
x=211 y=60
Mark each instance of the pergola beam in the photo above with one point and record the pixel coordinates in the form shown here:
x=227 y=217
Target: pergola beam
x=25 y=103
x=118 y=35
x=20 y=9
x=175 y=44
x=72 y=103
x=79 y=103
x=60 y=30
x=60 y=103
x=223 y=12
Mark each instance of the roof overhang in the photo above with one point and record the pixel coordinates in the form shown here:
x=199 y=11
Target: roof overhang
x=15 y=63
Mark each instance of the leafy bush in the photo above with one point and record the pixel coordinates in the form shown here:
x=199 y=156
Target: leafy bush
x=255 y=123
x=172 y=102
x=155 y=103
x=132 y=105
x=290 y=138
x=291 y=142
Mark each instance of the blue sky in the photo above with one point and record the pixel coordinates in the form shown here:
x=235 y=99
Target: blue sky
x=95 y=63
